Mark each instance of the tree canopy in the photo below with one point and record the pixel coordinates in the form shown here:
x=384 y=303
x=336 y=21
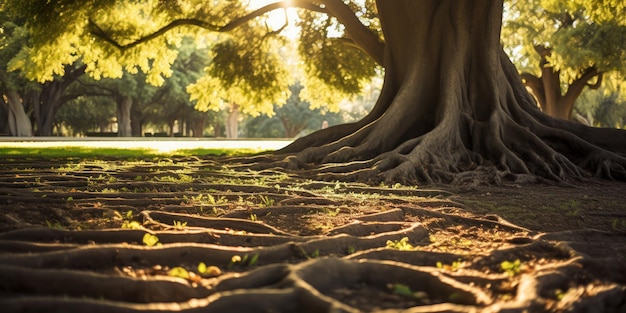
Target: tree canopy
x=246 y=65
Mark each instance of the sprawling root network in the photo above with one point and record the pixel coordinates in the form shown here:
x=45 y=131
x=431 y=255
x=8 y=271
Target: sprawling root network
x=401 y=257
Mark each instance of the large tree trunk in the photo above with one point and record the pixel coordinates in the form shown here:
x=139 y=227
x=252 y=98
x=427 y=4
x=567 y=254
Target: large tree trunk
x=453 y=109
x=124 y=105
x=18 y=121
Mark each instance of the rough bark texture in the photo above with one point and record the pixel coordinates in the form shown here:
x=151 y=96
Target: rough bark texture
x=453 y=109
x=19 y=124
x=232 y=122
x=124 y=105
x=52 y=96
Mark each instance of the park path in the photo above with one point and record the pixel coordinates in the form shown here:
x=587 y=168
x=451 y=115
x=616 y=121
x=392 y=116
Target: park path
x=204 y=235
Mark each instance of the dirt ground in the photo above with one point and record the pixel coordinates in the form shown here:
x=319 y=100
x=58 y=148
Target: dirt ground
x=201 y=235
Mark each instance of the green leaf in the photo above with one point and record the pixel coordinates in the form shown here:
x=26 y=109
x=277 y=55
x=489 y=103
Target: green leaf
x=253 y=260
x=202 y=268
x=178 y=272
x=150 y=239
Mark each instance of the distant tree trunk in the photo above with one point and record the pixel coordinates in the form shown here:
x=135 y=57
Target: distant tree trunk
x=291 y=129
x=218 y=129
x=18 y=122
x=548 y=87
x=232 y=121
x=197 y=125
x=124 y=105
x=136 y=122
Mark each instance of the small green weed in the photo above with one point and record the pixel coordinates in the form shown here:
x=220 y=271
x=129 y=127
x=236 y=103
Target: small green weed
x=351 y=249
x=208 y=271
x=178 y=272
x=131 y=225
x=402 y=244
x=511 y=268
x=54 y=225
x=151 y=240
x=237 y=260
x=180 y=225
x=266 y=201
x=455 y=266
x=406 y=291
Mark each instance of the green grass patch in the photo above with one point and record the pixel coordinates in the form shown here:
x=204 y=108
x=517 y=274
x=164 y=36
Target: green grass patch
x=72 y=152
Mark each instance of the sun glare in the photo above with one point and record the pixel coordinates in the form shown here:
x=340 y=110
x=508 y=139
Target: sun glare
x=277 y=18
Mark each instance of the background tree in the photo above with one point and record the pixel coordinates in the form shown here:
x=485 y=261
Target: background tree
x=452 y=108
x=565 y=47
x=606 y=106
x=13 y=88
x=87 y=114
x=293 y=118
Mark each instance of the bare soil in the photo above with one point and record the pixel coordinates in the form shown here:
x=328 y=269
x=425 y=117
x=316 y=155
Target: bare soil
x=199 y=234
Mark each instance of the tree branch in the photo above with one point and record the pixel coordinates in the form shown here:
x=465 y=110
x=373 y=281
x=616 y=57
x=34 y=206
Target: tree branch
x=102 y=34
x=575 y=89
x=367 y=40
x=363 y=37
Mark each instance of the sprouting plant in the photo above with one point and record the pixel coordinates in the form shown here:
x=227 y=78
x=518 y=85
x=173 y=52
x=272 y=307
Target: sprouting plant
x=70 y=198
x=54 y=225
x=313 y=255
x=333 y=213
x=406 y=291
x=266 y=201
x=151 y=240
x=211 y=199
x=131 y=225
x=253 y=217
x=456 y=265
x=253 y=260
x=178 y=272
x=559 y=294
x=402 y=244
x=208 y=271
x=245 y=261
x=180 y=225
x=351 y=249
x=337 y=185
x=511 y=268
x=128 y=215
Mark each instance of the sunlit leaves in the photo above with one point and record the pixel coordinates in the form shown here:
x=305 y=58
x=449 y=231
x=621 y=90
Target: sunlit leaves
x=245 y=66
x=579 y=34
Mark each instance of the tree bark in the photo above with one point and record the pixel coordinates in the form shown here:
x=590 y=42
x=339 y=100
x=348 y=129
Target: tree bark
x=232 y=122
x=47 y=102
x=124 y=105
x=453 y=109
x=18 y=121
x=548 y=87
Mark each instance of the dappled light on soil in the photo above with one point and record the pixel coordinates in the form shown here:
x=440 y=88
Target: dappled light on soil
x=194 y=235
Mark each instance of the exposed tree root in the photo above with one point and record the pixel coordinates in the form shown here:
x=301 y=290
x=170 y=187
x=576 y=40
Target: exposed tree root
x=369 y=251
